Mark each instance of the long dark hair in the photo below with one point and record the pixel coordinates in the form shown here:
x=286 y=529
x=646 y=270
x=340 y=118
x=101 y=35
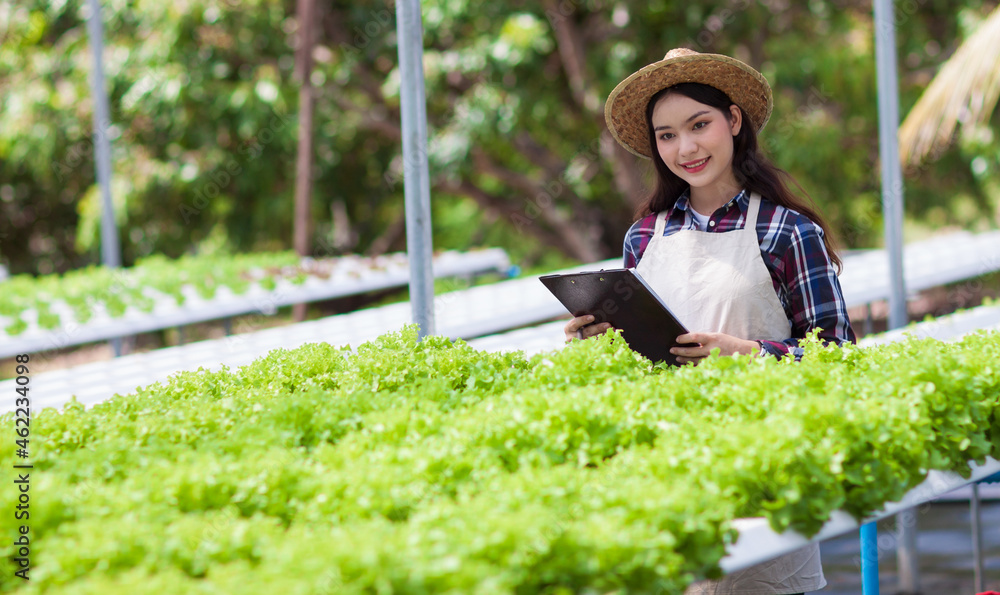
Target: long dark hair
x=752 y=169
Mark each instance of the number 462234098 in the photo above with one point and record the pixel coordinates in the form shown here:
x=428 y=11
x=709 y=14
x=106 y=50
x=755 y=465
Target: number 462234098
x=23 y=414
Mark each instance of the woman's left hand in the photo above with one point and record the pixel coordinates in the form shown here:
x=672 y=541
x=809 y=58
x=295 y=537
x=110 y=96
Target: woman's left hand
x=727 y=344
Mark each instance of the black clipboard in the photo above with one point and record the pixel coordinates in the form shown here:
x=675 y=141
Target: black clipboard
x=623 y=298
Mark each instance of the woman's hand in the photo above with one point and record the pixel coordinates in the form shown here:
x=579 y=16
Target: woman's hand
x=585 y=328
x=727 y=344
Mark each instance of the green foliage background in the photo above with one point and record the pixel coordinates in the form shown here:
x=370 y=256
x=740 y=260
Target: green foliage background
x=204 y=121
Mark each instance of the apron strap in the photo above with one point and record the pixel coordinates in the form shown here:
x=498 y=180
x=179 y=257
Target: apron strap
x=661 y=224
x=750 y=221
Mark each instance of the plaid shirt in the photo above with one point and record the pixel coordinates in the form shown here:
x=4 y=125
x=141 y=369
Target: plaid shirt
x=792 y=248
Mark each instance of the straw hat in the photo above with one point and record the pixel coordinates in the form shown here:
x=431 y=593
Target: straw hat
x=625 y=110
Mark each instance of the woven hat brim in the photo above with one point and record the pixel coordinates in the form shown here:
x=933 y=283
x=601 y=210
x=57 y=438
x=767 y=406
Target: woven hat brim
x=625 y=110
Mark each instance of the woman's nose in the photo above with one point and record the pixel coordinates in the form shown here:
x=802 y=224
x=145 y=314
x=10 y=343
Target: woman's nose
x=688 y=146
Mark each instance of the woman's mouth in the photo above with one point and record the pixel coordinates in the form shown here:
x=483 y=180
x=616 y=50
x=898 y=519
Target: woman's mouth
x=695 y=166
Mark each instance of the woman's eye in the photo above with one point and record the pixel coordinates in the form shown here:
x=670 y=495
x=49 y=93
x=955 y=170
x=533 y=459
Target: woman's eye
x=700 y=125
x=666 y=136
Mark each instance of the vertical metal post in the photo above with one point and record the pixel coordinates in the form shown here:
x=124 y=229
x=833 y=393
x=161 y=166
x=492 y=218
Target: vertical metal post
x=977 y=541
x=110 y=250
x=869 y=559
x=416 y=180
x=892 y=209
x=892 y=173
x=906 y=551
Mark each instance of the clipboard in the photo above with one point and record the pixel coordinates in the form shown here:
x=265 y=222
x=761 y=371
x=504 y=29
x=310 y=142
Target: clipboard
x=623 y=298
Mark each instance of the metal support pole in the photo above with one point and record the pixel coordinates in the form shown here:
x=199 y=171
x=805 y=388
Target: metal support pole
x=892 y=209
x=977 y=540
x=892 y=173
x=906 y=552
x=416 y=180
x=869 y=559
x=110 y=250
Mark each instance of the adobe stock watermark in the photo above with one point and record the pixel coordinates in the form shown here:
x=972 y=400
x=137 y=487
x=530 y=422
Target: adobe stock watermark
x=68 y=331
x=224 y=175
x=550 y=191
x=714 y=25
x=865 y=222
x=215 y=527
x=903 y=11
x=11 y=41
x=402 y=165
x=331 y=582
x=970 y=293
x=264 y=307
x=561 y=10
x=551 y=532
x=888 y=541
x=816 y=100
x=381 y=22
x=82 y=151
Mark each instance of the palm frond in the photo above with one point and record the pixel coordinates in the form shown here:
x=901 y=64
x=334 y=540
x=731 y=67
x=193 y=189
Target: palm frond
x=964 y=91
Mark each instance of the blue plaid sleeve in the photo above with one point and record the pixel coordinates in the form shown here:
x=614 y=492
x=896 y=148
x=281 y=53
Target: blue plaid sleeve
x=815 y=298
x=636 y=239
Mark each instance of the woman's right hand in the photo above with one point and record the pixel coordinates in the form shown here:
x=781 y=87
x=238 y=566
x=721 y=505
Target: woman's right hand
x=581 y=328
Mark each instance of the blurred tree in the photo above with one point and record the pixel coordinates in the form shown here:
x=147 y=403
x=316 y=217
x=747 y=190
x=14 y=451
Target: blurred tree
x=516 y=95
x=204 y=121
x=200 y=128
x=301 y=236
x=962 y=96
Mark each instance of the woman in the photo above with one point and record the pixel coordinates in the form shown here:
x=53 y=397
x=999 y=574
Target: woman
x=700 y=115
x=740 y=259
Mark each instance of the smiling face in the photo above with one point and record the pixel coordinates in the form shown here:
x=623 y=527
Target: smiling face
x=695 y=141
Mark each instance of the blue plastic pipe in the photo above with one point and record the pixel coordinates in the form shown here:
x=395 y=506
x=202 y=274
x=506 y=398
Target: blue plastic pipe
x=869 y=559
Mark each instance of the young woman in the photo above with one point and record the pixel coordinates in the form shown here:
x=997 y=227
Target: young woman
x=739 y=258
x=751 y=292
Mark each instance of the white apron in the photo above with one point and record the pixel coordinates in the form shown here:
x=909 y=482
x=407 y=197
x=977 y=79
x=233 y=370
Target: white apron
x=717 y=282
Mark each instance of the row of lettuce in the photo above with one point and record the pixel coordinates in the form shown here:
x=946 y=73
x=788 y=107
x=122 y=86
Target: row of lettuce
x=429 y=467
x=116 y=290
